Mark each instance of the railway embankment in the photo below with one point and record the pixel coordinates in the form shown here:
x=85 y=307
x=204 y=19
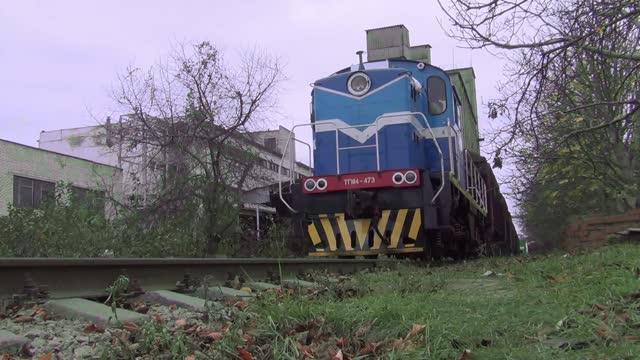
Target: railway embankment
x=558 y=306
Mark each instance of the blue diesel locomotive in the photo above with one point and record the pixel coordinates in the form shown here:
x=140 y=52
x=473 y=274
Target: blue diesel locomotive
x=396 y=159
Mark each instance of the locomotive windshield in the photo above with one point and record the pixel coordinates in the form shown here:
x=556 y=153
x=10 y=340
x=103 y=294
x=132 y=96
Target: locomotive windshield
x=437 y=95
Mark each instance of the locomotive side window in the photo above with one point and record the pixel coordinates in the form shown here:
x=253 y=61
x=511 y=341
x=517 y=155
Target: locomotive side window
x=436 y=90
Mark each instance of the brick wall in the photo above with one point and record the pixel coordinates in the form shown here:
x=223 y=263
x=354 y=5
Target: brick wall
x=26 y=161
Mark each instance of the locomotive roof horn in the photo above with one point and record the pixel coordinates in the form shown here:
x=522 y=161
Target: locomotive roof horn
x=361 y=65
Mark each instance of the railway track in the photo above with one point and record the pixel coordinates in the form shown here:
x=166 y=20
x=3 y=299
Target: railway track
x=56 y=308
x=56 y=278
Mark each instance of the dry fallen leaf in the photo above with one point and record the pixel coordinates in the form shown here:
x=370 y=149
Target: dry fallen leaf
x=45 y=356
x=181 y=322
x=466 y=355
x=192 y=329
x=226 y=327
x=157 y=318
x=601 y=307
x=558 y=279
x=214 y=335
x=631 y=338
x=605 y=332
x=23 y=319
x=365 y=328
x=306 y=352
x=343 y=341
x=190 y=357
x=415 y=330
x=6 y=357
x=128 y=325
x=142 y=309
x=622 y=317
x=124 y=335
x=241 y=305
x=244 y=354
x=532 y=338
x=398 y=344
x=338 y=356
x=93 y=328
x=372 y=347
x=39 y=313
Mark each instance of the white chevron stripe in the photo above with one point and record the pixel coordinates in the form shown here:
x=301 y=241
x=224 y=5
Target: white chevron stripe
x=362 y=136
x=363 y=96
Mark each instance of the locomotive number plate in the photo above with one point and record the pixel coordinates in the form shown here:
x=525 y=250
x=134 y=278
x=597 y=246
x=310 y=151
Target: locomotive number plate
x=359 y=180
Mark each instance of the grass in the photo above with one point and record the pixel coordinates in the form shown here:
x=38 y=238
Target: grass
x=551 y=307
x=584 y=306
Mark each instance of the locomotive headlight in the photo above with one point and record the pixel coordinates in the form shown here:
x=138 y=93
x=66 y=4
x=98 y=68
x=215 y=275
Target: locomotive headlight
x=410 y=177
x=321 y=184
x=398 y=178
x=359 y=83
x=309 y=184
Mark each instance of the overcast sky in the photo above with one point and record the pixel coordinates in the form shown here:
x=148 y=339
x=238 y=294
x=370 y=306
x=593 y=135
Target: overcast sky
x=59 y=59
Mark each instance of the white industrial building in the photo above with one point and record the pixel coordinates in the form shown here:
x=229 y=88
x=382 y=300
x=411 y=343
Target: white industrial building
x=139 y=173
x=30 y=176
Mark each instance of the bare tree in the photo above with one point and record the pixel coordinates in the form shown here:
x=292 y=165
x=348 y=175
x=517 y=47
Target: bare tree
x=185 y=126
x=569 y=108
x=541 y=39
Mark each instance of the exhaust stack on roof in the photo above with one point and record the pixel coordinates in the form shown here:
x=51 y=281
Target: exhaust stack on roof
x=392 y=42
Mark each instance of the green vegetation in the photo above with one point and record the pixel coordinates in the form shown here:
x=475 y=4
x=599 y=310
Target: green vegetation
x=69 y=229
x=79 y=231
x=119 y=286
x=574 y=307
x=552 y=307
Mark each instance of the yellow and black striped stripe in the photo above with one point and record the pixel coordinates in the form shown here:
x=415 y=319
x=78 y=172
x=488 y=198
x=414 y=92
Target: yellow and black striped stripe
x=333 y=233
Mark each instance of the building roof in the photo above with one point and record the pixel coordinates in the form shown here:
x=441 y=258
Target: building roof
x=59 y=154
x=243 y=136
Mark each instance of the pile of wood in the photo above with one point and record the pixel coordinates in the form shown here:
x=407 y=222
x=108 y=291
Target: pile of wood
x=593 y=231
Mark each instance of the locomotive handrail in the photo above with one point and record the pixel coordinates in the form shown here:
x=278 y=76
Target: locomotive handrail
x=449 y=137
x=435 y=141
x=292 y=170
x=475 y=183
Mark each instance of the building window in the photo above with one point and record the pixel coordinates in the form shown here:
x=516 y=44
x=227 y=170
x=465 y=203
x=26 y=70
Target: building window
x=93 y=199
x=436 y=91
x=270 y=143
x=32 y=193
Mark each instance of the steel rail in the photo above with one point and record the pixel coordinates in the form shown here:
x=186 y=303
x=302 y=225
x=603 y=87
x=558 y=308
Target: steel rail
x=89 y=277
